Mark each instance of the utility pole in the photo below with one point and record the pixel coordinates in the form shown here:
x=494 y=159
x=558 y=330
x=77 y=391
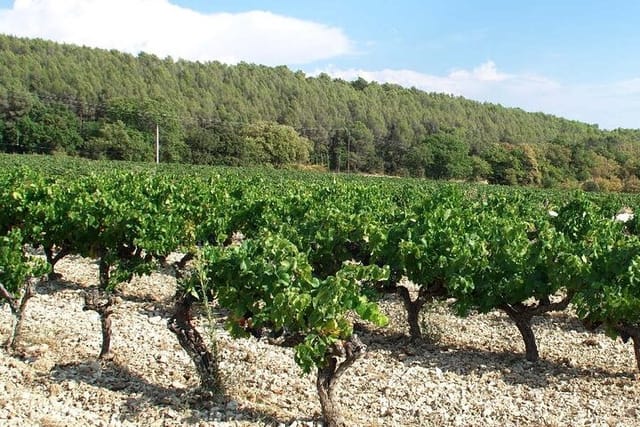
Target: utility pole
x=157 y=143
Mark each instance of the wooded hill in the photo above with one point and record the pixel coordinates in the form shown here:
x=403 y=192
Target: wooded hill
x=58 y=98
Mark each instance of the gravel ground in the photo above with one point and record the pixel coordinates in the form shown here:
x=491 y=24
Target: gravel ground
x=474 y=375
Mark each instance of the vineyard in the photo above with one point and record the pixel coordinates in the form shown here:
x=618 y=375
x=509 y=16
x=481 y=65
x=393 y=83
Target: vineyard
x=337 y=269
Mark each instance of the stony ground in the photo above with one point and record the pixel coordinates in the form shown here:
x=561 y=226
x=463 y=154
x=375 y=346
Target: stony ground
x=474 y=374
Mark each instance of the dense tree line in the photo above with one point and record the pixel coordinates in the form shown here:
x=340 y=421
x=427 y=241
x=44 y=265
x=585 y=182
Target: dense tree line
x=58 y=98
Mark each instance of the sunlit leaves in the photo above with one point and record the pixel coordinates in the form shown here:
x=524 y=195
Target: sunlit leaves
x=267 y=282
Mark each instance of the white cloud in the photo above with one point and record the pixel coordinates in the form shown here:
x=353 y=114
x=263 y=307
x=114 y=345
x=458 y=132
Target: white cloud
x=486 y=72
x=162 y=28
x=608 y=105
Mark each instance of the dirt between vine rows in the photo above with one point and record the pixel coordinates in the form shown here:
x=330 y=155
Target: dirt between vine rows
x=475 y=374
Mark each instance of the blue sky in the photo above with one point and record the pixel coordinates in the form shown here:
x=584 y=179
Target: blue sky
x=578 y=59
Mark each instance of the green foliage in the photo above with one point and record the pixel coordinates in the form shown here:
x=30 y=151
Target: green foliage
x=275 y=144
x=141 y=117
x=16 y=268
x=612 y=296
x=44 y=129
x=266 y=282
x=118 y=142
x=607 y=268
x=514 y=256
x=430 y=245
x=448 y=157
x=315 y=241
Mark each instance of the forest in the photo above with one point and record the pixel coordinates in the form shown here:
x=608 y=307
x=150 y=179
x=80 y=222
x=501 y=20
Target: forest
x=103 y=104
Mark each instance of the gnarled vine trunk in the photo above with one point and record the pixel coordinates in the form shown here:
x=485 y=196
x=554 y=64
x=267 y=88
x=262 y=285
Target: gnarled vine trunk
x=102 y=303
x=103 y=272
x=329 y=375
x=191 y=341
x=522 y=314
x=523 y=323
x=633 y=332
x=18 y=306
x=413 y=307
x=53 y=258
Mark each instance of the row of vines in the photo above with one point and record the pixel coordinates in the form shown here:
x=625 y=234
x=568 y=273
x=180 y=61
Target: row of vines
x=297 y=256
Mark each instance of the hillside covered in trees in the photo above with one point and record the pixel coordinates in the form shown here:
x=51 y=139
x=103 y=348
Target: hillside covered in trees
x=57 y=98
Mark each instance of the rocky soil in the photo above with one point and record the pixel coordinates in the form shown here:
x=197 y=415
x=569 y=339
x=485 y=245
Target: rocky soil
x=474 y=375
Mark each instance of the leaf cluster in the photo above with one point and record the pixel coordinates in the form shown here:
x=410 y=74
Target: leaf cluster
x=267 y=283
